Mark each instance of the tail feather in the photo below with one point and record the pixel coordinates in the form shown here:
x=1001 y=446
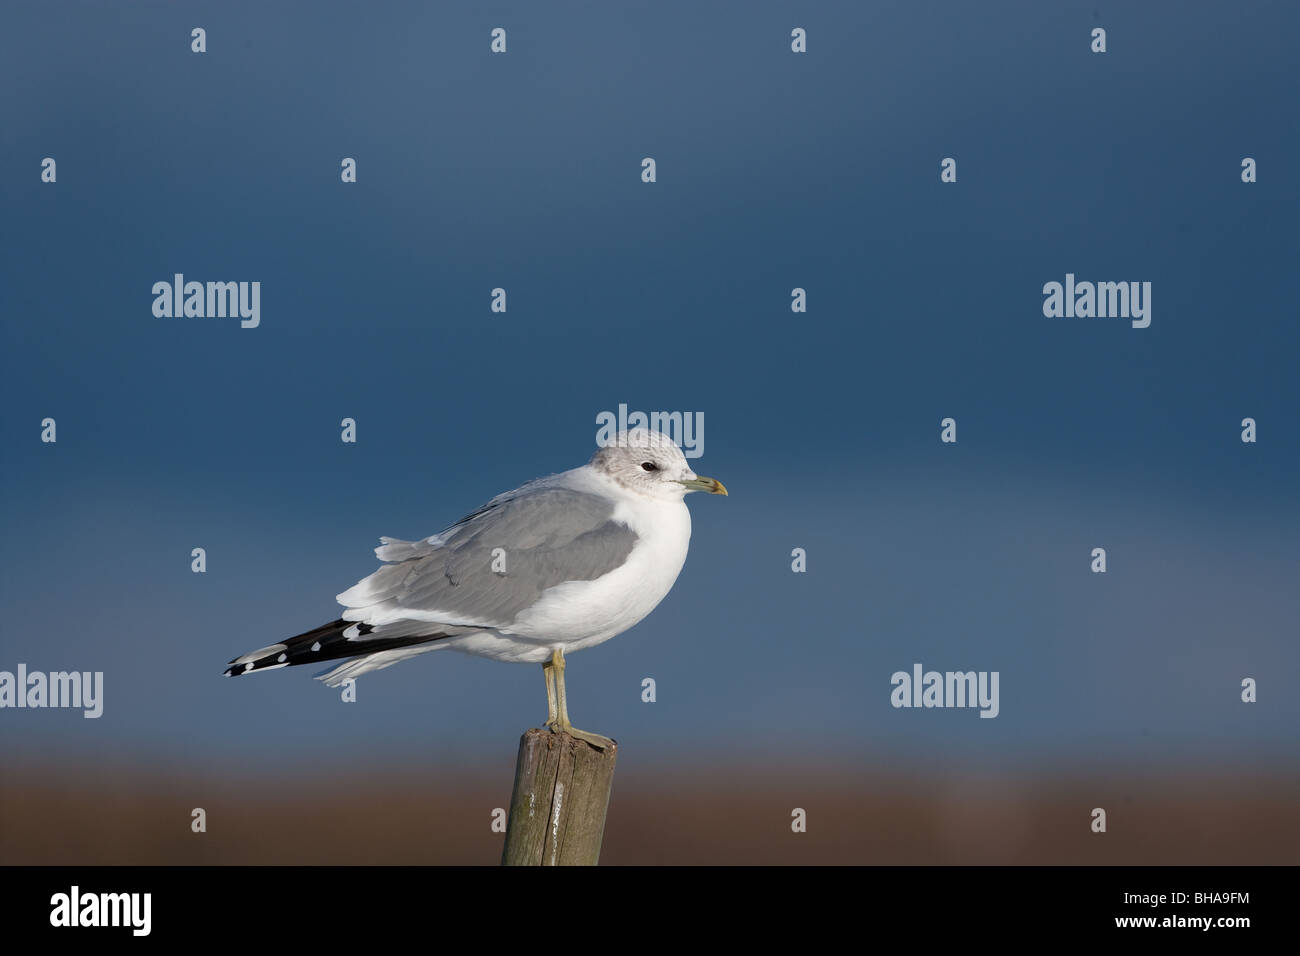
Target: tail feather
x=374 y=662
x=329 y=642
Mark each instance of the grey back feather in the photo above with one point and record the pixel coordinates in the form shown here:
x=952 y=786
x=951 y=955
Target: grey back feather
x=546 y=535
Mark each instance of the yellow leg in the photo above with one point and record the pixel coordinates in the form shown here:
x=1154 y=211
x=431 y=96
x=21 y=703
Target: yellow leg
x=552 y=710
x=559 y=722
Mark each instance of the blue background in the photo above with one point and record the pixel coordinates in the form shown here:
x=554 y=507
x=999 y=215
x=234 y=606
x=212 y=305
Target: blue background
x=775 y=170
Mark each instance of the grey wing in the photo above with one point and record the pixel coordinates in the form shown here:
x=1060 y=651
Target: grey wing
x=491 y=565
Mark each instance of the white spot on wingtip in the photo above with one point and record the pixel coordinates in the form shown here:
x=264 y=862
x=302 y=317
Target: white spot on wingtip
x=282 y=658
x=315 y=647
x=259 y=653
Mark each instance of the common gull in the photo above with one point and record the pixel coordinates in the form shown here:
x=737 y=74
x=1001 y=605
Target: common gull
x=559 y=564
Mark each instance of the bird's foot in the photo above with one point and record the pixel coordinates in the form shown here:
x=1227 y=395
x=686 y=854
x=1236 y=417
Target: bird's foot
x=596 y=740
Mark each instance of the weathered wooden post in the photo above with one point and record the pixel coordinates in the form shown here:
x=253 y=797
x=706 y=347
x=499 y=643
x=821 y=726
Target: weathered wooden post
x=557 y=810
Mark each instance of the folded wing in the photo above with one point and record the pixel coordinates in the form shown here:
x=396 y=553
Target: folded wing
x=486 y=569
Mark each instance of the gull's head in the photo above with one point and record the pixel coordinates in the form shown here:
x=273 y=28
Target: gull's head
x=650 y=463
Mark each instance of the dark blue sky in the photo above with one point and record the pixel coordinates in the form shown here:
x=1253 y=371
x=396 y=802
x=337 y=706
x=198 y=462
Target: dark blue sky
x=775 y=170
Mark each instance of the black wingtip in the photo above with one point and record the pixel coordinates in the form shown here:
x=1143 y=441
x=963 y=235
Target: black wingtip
x=325 y=643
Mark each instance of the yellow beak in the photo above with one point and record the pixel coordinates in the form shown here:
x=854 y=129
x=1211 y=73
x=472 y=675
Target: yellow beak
x=701 y=483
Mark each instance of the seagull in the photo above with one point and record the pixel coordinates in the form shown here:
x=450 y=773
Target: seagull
x=560 y=564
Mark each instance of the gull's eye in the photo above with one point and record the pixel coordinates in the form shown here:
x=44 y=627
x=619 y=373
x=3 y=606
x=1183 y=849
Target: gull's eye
x=649 y=466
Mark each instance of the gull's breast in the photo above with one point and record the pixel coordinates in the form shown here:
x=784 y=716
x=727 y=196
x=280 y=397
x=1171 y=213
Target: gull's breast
x=582 y=613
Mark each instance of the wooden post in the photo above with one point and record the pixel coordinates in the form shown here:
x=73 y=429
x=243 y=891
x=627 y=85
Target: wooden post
x=557 y=810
